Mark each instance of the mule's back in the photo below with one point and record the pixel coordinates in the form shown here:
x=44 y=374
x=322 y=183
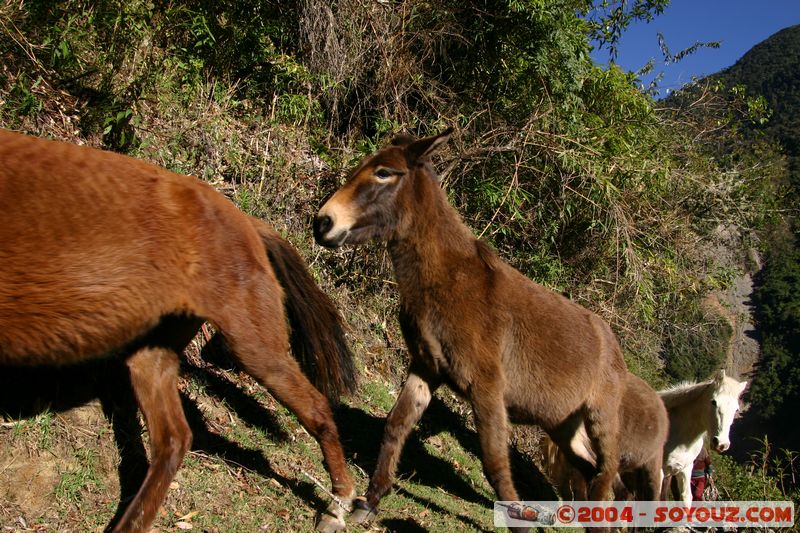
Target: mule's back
x=561 y=349
x=96 y=247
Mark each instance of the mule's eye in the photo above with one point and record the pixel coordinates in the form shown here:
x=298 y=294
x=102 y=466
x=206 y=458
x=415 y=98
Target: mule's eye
x=384 y=173
x=714 y=403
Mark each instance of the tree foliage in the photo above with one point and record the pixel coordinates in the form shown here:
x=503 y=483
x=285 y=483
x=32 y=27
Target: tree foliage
x=775 y=392
x=574 y=175
x=770 y=70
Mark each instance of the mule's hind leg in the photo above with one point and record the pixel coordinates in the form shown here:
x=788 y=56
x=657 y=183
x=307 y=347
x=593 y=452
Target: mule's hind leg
x=154 y=377
x=602 y=426
x=263 y=352
x=411 y=403
x=573 y=441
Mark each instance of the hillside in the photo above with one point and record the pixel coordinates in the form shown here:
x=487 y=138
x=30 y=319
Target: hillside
x=772 y=69
x=572 y=175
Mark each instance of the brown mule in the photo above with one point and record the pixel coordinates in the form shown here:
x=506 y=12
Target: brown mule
x=644 y=428
x=104 y=255
x=510 y=346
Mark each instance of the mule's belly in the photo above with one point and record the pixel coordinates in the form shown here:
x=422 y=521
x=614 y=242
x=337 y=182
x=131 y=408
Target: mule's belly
x=58 y=334
x=79 y=306
x=534 y=397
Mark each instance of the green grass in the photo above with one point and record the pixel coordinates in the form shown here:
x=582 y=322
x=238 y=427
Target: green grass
x=379 y=395
x=38 y=429
x=81 y=476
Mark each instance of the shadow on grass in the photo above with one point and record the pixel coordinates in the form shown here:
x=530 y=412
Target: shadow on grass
x=406 y=525
x=361 y=435
x=28 y=391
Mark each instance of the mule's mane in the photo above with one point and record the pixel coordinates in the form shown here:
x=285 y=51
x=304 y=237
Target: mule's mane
x=691 y=391
x=685 y=392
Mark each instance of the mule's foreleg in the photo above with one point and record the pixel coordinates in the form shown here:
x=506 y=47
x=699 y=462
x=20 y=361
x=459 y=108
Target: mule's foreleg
x=683 y=479
x=412 y=402
x=666 y=485
x=154 y=377
x=491 y=421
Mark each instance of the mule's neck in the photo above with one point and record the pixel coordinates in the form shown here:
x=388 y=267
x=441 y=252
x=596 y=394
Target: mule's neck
x=432 y=242
x=687 y=410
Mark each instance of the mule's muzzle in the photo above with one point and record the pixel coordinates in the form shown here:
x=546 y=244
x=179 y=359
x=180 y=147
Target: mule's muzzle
x=719 y=446
x=322 y=227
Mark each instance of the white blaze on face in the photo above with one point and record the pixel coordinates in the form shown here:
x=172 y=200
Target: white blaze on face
x=724 y=410
x=725 y=405
x=335 y=219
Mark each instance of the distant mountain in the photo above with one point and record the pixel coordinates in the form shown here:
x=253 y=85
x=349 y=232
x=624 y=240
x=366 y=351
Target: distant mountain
x=772 y=69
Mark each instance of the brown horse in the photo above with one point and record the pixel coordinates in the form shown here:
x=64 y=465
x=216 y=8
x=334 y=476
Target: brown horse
x=644 y=427
x=104 y=255
x=510 y=346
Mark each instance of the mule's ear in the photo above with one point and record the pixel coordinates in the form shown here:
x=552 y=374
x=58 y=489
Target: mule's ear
x=422 y=149
x=742 y=386
x=719 y=377
x=402 y=139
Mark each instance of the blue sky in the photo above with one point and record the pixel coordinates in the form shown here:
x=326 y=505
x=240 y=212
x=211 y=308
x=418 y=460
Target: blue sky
x=737 y=24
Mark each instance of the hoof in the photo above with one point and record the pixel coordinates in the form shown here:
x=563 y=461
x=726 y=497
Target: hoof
x=332 y=519
x=364 y=513
x=330 y=524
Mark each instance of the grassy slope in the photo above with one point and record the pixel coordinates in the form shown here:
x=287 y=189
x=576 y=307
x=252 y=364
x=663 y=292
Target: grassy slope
x=63 y=467
x=251 y=464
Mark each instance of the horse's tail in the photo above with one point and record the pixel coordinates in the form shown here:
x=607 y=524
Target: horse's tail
x=317 y=334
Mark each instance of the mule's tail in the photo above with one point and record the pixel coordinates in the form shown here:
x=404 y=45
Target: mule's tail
x=317 y=334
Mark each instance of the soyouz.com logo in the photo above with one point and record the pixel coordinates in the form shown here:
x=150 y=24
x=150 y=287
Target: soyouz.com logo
x=643 y=514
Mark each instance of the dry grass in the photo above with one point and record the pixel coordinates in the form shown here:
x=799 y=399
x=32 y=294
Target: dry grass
x=63 y=468
x=251 y=467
